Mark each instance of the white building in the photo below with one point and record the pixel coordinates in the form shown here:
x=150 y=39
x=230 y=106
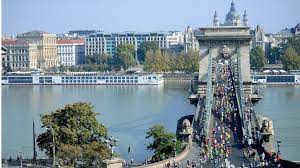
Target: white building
x=190 y=42
x=19 y=55
x=107 y=43
x=70 y=51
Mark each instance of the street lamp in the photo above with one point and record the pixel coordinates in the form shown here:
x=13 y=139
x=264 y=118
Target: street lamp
x=20 y=157
x=174 y=141
x=111 y=142
x=278 y=151
x=53 y=146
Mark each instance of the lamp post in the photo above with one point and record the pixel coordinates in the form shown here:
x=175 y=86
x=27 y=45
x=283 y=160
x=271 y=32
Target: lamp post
x=174 y=141
x=53 y=148
x=278 y=151
x=20 y=157
x=111 y=142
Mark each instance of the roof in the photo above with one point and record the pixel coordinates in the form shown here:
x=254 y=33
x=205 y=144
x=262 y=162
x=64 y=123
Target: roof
x=69 y=41
x=34 y=33
x=6 y=42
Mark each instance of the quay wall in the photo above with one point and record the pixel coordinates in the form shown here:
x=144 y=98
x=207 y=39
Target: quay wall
x=179 y=78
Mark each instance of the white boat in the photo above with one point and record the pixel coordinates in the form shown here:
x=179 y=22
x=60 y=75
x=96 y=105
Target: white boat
x=82 y=79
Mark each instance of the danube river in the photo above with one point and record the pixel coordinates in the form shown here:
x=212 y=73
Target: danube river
x=129 y=111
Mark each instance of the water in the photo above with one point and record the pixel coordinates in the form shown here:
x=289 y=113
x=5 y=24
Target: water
x=127 y=111
x=281 y=104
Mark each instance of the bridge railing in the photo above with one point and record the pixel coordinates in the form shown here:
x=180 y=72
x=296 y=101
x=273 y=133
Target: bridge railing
x=209 y=98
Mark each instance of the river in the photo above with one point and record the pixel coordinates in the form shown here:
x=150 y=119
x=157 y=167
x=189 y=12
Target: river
x=129 y=111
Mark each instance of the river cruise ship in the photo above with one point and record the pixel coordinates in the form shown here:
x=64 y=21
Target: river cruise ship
x=277 y=78
x=80 y=78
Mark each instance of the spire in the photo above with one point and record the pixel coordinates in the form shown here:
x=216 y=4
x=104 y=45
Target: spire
x=216 y=19
x=245 y=19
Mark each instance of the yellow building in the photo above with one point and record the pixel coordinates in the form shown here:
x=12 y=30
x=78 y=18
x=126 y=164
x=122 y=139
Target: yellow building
x=46 y=45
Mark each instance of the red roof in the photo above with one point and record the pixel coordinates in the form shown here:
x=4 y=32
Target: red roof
x=70 y=41
x=12 y=42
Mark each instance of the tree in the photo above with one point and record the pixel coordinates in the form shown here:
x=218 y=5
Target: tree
x=274 y=55
x=94 y=152
x=69 y=153
x=295 y=43
x=290 y=59
x=192 y=61
x=144 y=47
x=257 y=58
x=155 y=61
x=163 y=143
x=73 y=126
x=125 y=56
x=150 y=61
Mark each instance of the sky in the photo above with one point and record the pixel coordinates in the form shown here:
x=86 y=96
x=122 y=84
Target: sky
x=60 y=16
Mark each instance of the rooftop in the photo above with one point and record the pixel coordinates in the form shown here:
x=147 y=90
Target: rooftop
x=34 y=33
x=6 y=42
x=70 y=41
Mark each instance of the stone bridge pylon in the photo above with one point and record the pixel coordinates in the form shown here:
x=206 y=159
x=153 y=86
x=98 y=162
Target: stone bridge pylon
x=231 y=41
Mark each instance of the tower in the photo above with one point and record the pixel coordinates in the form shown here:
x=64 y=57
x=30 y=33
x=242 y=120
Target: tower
x=216 y=20
x=245 y=19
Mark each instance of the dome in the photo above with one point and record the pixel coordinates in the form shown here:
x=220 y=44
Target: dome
x=232 y=17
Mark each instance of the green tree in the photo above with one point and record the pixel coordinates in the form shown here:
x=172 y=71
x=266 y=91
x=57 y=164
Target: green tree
x=192 y=61
x=155 y=61
x=74 y=125
x=94 y=152
x=295 y=43
x=163 y=143
x=257 y=58
x=125 y=56
x=149 y=64
x=69 y=153
x=144 y=47
x=274 y=55
x=290 y=59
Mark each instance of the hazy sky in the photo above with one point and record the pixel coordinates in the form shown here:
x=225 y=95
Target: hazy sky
x=60 y=16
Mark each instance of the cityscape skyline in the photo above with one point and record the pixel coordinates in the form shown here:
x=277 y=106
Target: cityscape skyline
x=126 y=15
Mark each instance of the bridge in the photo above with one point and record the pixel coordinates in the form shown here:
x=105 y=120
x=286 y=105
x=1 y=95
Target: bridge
x=226 y=130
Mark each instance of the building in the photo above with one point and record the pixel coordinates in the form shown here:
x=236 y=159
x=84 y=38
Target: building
x=19 y=55
x=107 y=43
x=190 y=42
x=296 y=30
x=82 y=33
x=70 y=51
x=46 y=45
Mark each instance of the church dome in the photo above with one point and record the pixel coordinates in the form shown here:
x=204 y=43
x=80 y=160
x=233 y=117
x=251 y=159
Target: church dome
x=232 y=17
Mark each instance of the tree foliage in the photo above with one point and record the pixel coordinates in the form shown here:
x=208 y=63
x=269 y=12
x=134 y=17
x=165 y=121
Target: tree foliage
x=274 y=55
x=163 y=143
x=69 y=153
x=144 y=47
x=158 y=61
x=125 y=56
x=257 y=58
x=290 y=59
x=294 y=43
x=73 y=127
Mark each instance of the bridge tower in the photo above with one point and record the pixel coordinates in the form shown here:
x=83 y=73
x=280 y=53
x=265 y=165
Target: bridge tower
x=233 y=37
